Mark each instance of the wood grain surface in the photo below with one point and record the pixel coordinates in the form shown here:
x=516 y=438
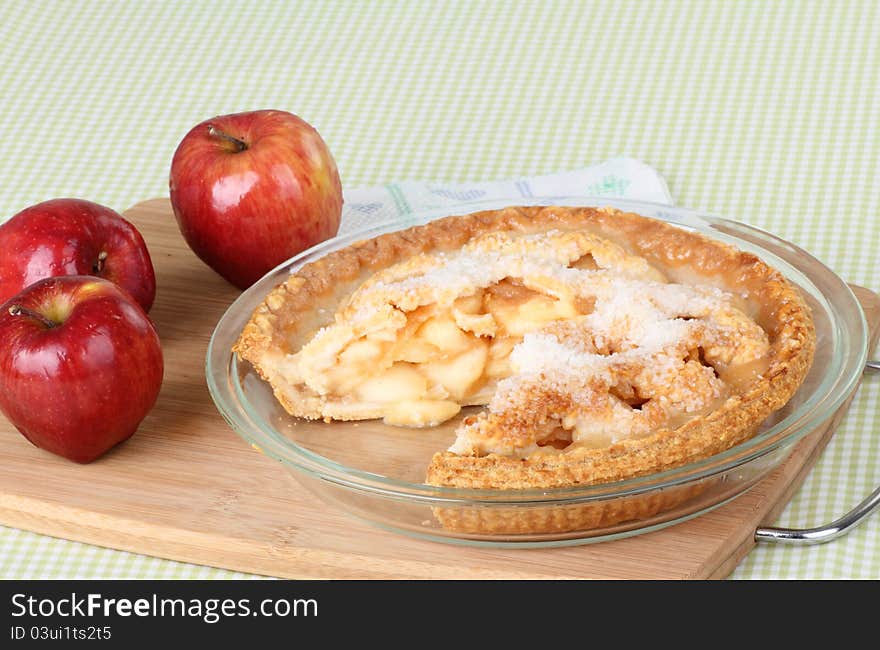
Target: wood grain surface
x=187 y=488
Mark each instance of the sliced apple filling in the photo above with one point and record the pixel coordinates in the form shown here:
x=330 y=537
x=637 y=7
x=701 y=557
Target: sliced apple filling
x=441 y=358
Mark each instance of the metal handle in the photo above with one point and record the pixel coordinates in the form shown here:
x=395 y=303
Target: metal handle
x=837 y=528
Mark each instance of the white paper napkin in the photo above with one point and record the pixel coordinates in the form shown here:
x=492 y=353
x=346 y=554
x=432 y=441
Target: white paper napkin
x=625 y=178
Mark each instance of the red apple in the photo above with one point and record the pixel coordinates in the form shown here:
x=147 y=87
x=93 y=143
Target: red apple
x=74 y=237
x=80 y=365
x=251 y=190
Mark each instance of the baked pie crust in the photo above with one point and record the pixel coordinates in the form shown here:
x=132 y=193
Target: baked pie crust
x=604 y=344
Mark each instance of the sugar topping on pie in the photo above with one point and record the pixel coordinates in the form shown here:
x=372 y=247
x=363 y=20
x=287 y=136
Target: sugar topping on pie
x=574 y=339
x=567 y=337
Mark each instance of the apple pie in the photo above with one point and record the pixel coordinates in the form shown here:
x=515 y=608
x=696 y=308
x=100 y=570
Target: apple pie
x=602 y=345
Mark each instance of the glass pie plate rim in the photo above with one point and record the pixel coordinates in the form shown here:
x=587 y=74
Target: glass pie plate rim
x=840 y=381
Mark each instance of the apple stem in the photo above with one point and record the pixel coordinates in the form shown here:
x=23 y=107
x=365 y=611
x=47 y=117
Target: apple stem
x=99 y=264
x=238 y=145
x=18 y=310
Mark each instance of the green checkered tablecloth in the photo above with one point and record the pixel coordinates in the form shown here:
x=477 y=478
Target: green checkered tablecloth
x=763 y=111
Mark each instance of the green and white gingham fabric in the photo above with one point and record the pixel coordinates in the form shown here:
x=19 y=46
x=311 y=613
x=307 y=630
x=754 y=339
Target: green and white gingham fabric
x=763 y=111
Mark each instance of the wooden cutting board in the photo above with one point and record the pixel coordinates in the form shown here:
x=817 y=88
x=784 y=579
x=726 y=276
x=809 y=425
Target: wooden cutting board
x=186 y=487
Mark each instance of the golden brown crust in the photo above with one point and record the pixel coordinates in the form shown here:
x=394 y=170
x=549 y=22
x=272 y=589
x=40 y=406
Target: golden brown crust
x=286 y=320
x=561 y=519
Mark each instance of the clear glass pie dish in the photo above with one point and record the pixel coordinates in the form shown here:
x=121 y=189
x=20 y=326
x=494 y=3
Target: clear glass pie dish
x=376 y=472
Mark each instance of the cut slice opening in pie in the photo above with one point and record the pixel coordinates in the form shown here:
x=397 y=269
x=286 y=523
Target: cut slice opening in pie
x=602 y=344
